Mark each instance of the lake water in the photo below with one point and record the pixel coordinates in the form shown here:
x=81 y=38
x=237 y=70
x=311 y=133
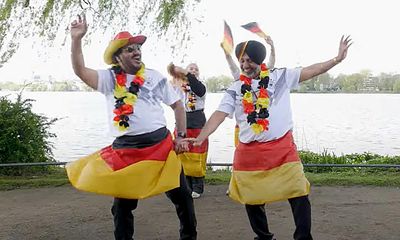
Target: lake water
x=338 y=123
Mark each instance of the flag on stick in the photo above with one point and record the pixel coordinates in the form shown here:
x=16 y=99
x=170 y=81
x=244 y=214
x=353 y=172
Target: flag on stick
x=227 y=42
x=254 y=28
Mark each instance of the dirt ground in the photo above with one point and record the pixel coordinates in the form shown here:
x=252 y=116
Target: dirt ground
x=339 y=213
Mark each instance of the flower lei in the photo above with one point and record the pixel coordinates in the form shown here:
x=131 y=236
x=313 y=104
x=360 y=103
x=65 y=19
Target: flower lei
x=257 y=113
x=191 y=104
x=125 y=98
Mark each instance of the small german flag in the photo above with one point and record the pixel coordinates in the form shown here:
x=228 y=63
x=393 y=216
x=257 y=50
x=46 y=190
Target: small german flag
x=227 y=42
x=254 y=28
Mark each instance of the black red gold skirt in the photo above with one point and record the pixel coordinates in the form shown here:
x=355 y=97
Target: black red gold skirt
x=194 y=161
x=133 y=173
x=265 y=172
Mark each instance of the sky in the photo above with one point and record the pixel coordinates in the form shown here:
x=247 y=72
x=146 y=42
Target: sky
x=304 y=32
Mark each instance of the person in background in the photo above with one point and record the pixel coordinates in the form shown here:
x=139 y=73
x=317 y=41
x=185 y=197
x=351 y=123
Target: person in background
x=235 y=71
x=192 y=93
x=141 y=162
x=266 y=164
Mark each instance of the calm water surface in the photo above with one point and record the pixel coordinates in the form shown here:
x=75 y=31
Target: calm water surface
x=338 y=123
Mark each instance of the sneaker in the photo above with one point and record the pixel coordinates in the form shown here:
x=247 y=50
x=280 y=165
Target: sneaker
x=195 y=195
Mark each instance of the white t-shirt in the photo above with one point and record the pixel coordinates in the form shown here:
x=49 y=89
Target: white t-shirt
x=280 y=113
x=148 y=114
x=184 y=97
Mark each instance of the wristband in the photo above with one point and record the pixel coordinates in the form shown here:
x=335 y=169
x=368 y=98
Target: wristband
x=181 y=134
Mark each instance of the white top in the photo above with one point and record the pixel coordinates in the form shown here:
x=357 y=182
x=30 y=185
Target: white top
x=280 y=120
x=148 y=114
x=184 y=97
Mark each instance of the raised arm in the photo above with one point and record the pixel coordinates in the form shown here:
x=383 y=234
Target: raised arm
x=271 y=60
x=195 y=85
x=87 y=75
x=319 y=68
x=235 y=71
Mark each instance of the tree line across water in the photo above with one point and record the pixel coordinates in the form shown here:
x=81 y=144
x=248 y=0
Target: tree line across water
x=362 y=82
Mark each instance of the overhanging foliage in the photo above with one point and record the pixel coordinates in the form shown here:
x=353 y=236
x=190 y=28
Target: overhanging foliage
x=49 y=19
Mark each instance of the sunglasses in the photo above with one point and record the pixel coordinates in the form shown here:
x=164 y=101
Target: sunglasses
x=132 y=48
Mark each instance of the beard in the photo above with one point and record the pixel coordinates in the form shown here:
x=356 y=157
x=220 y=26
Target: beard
x=253 y=73
x=132 y=66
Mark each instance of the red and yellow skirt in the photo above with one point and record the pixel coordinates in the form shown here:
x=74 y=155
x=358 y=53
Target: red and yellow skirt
x=194 y=161
x=133 y=173
x=265 y=172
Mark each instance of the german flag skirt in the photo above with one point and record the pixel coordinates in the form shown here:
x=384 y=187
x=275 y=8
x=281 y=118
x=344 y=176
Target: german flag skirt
x=194 y=161
x=133 y=173
x=265 y=172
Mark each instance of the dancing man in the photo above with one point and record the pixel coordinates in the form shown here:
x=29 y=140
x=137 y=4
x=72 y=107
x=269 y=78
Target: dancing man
x=141 y=162
x=266 y=165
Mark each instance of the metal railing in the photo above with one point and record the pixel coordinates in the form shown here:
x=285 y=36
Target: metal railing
x=324 y=165
x=225 y=165
x=31 y=164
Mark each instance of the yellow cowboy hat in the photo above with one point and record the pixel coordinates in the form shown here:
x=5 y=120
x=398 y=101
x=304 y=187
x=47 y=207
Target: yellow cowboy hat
x=120 y=40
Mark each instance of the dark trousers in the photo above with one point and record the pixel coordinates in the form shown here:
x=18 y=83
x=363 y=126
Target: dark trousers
x=180 y=197
x=196 y=184
x=301 y=209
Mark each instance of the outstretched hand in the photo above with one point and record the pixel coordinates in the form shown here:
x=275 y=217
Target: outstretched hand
x=79 y=27
x=344 y=45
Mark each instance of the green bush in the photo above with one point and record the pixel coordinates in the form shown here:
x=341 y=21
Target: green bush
x=24 y=137
x=356 y=158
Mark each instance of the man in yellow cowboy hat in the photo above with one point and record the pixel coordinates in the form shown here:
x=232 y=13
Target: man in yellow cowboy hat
x=141 y=162
x=266 y=165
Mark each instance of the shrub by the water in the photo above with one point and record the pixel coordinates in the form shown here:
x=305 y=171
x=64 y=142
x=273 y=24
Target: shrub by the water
x=356 y=158
x=24 y=137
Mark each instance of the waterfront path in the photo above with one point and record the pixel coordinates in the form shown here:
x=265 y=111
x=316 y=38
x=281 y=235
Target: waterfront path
x=339 y=213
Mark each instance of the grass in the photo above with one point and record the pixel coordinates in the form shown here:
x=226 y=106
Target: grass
x=388 y=179
x=58 y=177
x=384 y=178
